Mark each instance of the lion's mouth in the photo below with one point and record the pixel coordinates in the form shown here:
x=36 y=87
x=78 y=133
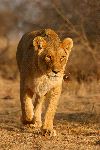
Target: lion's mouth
x=53 y=75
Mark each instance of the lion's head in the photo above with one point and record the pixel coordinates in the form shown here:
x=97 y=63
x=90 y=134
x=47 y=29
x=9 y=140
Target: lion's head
x=52 y=53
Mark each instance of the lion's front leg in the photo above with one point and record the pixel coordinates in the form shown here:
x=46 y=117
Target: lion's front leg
x=26 y=104
x=38 y=111
x=52 y=98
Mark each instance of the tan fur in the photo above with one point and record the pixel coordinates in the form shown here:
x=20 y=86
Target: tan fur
x=41 y=58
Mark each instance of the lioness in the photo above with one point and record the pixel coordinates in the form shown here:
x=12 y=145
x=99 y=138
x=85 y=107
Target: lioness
x=41 y=58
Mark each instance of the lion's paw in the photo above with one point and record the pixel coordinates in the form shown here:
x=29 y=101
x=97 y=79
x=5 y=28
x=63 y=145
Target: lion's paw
x=51 y=133
x=31 y=128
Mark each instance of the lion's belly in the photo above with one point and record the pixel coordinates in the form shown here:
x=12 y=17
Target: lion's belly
x=43 y=84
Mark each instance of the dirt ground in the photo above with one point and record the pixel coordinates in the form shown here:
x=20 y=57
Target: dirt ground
x=77 y=120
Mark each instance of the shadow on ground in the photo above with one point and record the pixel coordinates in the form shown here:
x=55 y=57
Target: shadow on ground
x=13 y=122
x=79 y=117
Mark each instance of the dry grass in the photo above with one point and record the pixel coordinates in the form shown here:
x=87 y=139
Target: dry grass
x=77 y=120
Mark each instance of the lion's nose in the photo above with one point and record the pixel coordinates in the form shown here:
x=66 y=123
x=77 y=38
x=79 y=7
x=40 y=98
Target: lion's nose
x=55 y=71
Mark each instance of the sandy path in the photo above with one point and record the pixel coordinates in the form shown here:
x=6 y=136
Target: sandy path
x=77 y=123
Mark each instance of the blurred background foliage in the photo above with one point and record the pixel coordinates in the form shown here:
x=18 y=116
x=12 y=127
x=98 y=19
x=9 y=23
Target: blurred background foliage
x=77 y=19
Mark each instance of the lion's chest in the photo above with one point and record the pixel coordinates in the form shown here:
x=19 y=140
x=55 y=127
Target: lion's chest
x=43 y=84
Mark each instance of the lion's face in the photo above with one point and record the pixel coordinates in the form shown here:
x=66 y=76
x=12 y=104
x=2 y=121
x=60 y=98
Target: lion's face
x=52 y=60
x=52 y=55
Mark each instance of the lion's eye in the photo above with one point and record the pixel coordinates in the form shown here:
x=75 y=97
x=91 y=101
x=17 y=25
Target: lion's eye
x=48 y=58
x=62 y=58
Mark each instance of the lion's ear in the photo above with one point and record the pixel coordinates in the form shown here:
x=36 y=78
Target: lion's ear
x=39 y=43
x=67 y=44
